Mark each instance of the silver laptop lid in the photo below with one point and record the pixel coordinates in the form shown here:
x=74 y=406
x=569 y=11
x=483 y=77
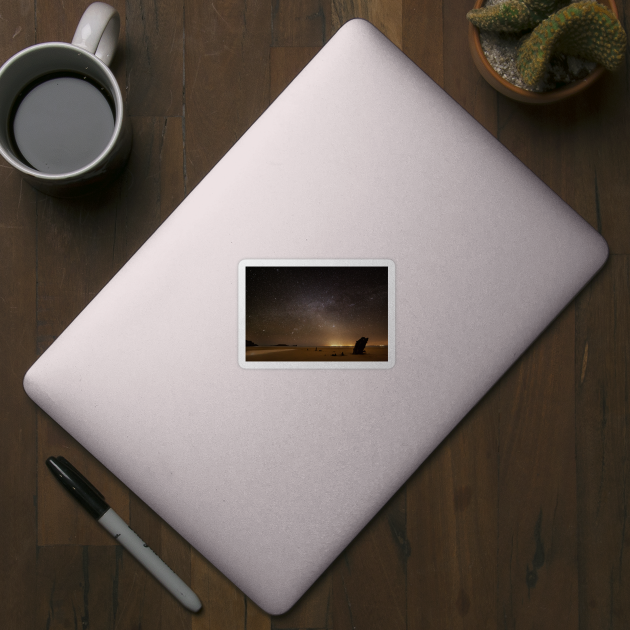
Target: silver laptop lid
x=362 y=162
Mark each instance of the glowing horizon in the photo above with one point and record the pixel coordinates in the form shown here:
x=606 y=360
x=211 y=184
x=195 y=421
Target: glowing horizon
x=315 y=345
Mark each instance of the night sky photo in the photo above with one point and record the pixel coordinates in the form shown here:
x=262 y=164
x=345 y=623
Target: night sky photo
x=316 y=306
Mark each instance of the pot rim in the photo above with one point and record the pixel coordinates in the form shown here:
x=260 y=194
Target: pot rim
x=512 y=91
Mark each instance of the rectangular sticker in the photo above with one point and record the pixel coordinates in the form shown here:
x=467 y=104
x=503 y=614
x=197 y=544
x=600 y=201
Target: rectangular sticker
x=316 y=314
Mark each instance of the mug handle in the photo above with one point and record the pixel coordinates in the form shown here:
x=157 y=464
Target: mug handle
x=98 y=30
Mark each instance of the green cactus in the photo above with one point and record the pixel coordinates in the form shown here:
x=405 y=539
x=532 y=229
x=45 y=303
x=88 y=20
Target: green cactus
x=513 y=16
x=584 y=29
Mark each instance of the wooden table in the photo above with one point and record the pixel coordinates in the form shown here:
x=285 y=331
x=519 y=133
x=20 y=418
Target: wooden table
x=518 y=520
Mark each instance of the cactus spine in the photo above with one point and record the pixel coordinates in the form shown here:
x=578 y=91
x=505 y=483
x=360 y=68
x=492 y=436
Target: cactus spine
x=583 y=29
x=513 y=16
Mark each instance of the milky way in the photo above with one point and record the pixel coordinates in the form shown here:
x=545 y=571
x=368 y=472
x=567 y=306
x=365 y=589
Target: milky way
x=310 y=306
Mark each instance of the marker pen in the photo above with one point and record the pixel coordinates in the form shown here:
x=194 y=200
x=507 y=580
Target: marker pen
x=94 y=502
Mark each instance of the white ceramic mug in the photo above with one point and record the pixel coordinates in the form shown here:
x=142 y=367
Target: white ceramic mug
x=88 y=58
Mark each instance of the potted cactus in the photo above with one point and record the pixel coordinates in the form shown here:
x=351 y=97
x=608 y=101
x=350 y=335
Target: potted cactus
x=558 y=49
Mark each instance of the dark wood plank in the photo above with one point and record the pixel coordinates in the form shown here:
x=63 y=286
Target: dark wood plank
x=57 y=23
x=461 y=78
x=142 y=600
x=452 y=527
x=17 y=28
x=563 y=147
x=74 y=246
x=608 y=127
x=607 y=124
x=154 y=57
x=285 y=64
x=300 y=23
x=570 y=146
x=422 y=36
x=369 y=577
x=574 y=147
x=18 y=415
x=152 y=185
x=224 y=606
x=603 y=443
x=256 y=618
x=171 y=159
x=18 y=421
x=313 y=610
x=76 y=587
x=176 y=552
x=558 y=147
x=226 y=78
x=537 y=537
x=60 y=519
x=386 y=15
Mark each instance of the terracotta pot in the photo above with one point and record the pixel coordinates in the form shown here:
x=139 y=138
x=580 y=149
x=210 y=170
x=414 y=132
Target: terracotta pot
x=518 y=94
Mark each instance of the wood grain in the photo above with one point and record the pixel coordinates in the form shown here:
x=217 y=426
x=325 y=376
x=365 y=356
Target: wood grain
x=422 y=36
x=452 y=515
x=517 y=520
x=154 y=57
x=151 y=187
x=76 y=587
x=573 y=149
x=537 y=535
x=61 y=521
x=602 y=380
x=609 y=134
x=461 y=79
x=285 y=64
x=313 y=609
x=18 y=416
x=226 y=78
x=150 y=604
x=369 y=577
x=300 y=23
x=224 y=606
x=386 y=15
x=57 y=22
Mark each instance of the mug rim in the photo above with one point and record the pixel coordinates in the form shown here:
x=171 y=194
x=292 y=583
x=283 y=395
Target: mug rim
x=118 y=122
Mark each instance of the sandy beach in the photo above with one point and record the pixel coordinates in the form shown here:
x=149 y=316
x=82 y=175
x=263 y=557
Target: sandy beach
x=323 y=353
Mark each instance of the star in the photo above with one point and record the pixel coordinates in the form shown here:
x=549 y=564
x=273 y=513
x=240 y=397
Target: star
x=299 y=300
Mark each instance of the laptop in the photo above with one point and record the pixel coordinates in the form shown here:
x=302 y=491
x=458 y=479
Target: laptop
x=365 y=214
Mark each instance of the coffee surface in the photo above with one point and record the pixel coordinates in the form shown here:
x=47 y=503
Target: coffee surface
x=62 y=124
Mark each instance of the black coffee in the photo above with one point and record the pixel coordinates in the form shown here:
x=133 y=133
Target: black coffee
x=61 y=123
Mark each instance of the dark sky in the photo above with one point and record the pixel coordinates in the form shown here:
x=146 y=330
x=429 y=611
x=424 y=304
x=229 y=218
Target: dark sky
x=316 y=306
